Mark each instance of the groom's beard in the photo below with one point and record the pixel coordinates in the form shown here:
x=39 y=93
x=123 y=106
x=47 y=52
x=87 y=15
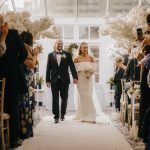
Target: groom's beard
x=59 y=48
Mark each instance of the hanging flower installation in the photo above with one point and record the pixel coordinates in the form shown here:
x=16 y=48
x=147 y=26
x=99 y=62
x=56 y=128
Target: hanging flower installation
x=43 y=27
x=123 y=28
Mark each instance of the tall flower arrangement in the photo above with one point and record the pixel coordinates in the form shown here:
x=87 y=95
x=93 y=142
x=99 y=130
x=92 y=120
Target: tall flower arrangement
x=43 y=27
x=123 y=28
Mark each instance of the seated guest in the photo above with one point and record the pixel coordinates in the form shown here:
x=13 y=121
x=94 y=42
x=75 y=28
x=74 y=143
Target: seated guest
x=3 y=34
x=11 y=69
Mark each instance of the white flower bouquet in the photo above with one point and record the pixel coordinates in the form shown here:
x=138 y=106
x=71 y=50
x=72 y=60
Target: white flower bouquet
x=134 y=92
x=88 y=73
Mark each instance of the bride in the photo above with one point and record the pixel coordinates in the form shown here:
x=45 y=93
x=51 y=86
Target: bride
x=87 y=103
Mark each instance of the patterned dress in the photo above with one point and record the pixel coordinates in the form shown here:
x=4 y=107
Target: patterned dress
x=26 y=105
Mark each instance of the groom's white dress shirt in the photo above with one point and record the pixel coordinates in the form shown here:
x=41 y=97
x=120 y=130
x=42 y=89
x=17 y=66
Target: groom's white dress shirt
x=58 y=56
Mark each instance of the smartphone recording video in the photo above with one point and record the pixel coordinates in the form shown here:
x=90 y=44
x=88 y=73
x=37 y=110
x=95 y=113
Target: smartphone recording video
x=139 y=33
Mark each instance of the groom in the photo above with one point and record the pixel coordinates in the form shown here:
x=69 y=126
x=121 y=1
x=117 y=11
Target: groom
x=57 y=76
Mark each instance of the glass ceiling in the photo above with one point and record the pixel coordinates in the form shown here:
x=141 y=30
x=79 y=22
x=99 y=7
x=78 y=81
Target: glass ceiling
x=71 y=8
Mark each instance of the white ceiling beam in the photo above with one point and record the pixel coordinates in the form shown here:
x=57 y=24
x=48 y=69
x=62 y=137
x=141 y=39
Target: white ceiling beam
x=45 y=5
x=107 y=8
x=13 y=5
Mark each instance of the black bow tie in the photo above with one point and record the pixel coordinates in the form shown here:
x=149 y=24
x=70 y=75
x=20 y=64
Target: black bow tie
x=59 y=53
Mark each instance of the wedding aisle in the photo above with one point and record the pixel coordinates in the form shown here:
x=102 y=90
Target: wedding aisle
x=72 y=135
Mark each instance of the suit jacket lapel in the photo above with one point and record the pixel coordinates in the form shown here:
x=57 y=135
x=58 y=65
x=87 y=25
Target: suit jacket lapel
x=55 y=58
x=63 y=54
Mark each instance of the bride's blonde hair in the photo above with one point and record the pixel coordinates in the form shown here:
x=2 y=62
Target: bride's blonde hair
x=80 y=52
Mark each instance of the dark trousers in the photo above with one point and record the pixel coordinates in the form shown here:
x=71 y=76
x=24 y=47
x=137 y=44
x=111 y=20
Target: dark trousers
x=144 y=104
x=147 y=145
x=59 y=89
x=117 y=97
x=12 y=108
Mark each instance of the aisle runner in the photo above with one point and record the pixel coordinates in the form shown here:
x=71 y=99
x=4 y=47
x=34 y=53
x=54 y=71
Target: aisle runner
x=72 y=135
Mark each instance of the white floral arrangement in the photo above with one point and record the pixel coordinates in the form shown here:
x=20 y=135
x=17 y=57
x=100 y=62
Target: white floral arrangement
x=122 y=28
x=43 y=27
x=134 y=92
x=39 y=47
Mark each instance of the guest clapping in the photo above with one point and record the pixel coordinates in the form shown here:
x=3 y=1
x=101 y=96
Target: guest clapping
x=3 y=34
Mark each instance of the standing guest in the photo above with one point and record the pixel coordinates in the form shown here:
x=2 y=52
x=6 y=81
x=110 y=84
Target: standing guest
x=26 y=103
x=133 y=70
x=144 y=88
x=146 y=40
x=117 y=80
x=145 y=129
x=11 y=69
x=57 y=76
x=126 y=57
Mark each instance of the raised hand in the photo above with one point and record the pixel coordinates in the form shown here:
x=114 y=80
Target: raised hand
x=48 y=84
x=4 y=30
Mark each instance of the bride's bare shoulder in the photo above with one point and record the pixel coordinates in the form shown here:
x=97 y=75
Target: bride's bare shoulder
x=76 y=60
x=91 y=58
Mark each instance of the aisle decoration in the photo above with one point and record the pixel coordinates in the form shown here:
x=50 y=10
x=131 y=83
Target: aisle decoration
x=123 y=28
x=44 y=27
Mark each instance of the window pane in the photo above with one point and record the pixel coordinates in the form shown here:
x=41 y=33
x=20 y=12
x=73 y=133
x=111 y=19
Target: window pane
x=68 y=32
x=83 y=32
x=66 y=47
x=95 y=50
x=97 y=66
x=95 y=53
x=96 y=78
x=94 y=32
x=60 y=30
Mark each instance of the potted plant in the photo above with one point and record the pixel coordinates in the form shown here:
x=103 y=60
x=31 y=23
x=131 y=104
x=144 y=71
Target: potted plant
x=72 y=47
x=40 y=81
x=111 y=82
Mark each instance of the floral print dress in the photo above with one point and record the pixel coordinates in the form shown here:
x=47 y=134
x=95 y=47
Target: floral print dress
x=25 y=107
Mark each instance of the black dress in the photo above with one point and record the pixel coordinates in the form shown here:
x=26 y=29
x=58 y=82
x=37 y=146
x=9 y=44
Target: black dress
x=11 y=69
x=25 y=107
x=145 y=96
x=118 y=89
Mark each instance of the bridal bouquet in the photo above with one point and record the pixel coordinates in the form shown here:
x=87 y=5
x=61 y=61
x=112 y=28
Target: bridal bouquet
x=88 y=73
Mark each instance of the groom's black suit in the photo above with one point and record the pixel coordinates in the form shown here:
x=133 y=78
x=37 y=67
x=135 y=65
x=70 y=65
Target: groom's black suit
x=58 y=76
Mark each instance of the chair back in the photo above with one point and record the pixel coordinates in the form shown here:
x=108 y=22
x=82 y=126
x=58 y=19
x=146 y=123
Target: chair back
x=123 y=81
x=2 y=92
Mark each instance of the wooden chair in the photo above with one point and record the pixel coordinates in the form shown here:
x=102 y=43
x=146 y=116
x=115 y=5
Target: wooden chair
x=123 y=102
x=131 y=118
x=133 y=108
x=4 y=118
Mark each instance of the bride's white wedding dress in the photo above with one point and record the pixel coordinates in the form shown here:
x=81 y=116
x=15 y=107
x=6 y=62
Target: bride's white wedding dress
x=88 y=107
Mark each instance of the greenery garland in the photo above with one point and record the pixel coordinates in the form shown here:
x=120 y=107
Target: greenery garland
x=72 y=46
